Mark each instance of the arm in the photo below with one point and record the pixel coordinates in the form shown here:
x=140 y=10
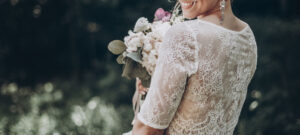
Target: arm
x=140 y=128
x=175 y=64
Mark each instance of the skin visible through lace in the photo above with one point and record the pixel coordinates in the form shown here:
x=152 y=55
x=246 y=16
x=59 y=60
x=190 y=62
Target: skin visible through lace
x=201 y=81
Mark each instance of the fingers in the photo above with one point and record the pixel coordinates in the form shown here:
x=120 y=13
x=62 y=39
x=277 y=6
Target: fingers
x=142 y=90
x=145 y=89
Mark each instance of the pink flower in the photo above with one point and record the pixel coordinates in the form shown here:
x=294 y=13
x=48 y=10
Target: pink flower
x=162 y=15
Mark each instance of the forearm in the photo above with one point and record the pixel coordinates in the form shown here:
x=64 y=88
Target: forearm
x=140 y=128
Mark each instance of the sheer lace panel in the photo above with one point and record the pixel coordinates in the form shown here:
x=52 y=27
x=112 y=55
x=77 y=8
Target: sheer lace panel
x=176 y=61
x=200 y=83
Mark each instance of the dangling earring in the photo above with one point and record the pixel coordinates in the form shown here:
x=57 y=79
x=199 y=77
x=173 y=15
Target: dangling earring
x=194 y=2
x=222 y=9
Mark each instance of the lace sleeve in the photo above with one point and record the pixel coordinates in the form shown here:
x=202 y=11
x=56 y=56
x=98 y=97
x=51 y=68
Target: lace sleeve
x=176 y=62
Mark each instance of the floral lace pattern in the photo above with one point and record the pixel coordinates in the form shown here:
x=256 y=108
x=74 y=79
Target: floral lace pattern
x=200 y=82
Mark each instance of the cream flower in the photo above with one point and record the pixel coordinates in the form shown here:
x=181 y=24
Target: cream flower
x=133 y=41
x=147 y=46
x=142 y=24
x=150 y=41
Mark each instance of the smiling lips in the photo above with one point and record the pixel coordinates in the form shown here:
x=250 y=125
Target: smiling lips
x=187 y=5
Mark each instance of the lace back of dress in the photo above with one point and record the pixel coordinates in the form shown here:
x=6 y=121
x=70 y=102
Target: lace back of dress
x=215 y=94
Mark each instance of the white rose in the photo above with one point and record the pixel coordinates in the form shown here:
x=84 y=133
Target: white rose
x=153 y=52
x=155 y=36
x=147 y=46
x=142 y=24
x=152 y=59
x=148 y=42
x=131 y=49
x=137 y=42
x=145 y=55
x=133 y=41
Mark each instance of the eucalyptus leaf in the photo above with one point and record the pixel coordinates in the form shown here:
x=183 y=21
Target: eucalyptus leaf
x=116 y=47
x=120 y=59
x=136 y=56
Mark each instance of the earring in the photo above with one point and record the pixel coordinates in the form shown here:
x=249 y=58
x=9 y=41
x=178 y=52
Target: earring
x=194 y=2
x=222 y=9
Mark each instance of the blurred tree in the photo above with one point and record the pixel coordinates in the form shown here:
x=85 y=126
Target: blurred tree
x=57 y=48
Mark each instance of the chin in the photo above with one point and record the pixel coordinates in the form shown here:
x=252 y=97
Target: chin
x=188 y=15
x=190 y=9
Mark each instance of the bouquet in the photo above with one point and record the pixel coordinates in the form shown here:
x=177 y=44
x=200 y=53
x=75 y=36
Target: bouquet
x=139 y=50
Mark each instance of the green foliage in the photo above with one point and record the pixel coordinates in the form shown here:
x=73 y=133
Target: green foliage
x=136 y=56
x=68 y=107
x=57 y=77
x=132 y=62
x=47 y=115
x=116 y=47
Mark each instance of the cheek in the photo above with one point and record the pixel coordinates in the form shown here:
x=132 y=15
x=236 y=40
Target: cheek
x=195 y=11
x=199 y=6
x=204 y=5
x=212 y=4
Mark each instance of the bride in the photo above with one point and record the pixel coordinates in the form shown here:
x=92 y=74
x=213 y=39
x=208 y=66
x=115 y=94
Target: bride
x=203 y=71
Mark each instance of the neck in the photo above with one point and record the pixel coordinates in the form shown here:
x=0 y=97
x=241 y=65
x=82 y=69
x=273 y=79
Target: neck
x=216 y=13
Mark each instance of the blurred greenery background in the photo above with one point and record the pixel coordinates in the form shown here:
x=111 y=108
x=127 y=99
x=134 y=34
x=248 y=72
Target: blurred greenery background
x=57 y=77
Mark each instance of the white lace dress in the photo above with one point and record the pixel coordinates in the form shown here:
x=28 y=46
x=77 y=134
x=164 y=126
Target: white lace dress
x=200 y=82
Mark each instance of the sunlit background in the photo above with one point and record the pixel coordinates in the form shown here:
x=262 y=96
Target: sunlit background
x=57 y=77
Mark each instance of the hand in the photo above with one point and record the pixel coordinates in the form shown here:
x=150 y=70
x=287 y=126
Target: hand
x=139 y=86
x=140 y=89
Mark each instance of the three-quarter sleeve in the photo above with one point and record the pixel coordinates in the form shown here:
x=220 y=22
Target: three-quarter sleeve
x=176 y=62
